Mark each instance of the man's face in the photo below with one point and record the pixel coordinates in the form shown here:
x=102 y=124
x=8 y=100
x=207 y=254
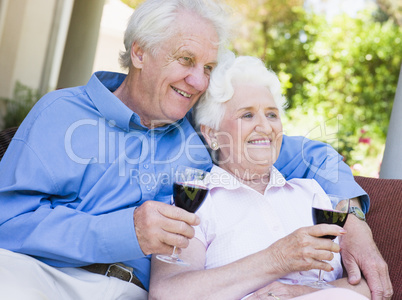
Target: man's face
x=173 y=80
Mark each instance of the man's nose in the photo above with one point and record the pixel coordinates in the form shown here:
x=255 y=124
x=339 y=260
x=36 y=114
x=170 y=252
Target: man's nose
x=198 y=79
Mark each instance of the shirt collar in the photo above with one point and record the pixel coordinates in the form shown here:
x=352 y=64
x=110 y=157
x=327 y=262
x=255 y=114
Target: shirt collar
x=100 y=89
x=219 y=178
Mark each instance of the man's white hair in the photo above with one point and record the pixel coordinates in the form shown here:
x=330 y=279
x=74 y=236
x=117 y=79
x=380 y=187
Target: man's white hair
x=152 y=23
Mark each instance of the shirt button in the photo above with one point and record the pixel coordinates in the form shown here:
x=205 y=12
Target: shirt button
x=146 y=166
x=148 y=188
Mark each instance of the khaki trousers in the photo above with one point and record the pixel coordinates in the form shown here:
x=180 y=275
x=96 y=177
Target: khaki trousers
x=24 y=278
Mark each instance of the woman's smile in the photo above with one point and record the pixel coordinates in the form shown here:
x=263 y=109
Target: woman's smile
x=260 y=142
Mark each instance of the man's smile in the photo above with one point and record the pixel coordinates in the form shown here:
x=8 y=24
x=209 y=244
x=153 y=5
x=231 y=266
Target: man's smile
x=183 y=93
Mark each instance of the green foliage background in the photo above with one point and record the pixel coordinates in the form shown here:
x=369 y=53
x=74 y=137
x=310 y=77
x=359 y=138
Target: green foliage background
x=339 y=76
x=17 y=107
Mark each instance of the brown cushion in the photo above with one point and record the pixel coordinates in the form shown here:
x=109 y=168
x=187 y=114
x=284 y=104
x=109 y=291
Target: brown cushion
x=385 y=220
x=6 y=136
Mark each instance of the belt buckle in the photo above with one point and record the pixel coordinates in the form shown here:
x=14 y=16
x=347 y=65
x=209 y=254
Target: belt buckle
x=121 y=268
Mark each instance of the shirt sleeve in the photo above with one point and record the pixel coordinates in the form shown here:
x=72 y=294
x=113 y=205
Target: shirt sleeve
x=39 y=218
x=304 y=158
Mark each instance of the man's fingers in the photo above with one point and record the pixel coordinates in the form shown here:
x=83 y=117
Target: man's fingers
x=166 y=224
x=386 y=292
x=380 y=287
x=387 y=285
x=178 y=228
x=376 y=288
x=179 y=222
x=358 y=248
x=178 y=240
x=176 y=213
x=353 y=270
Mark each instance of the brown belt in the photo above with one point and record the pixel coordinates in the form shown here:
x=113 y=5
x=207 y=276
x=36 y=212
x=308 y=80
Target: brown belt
x=115 y=270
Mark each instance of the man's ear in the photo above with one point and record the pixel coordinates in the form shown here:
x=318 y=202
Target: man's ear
x=137 y=56
x=208 y=133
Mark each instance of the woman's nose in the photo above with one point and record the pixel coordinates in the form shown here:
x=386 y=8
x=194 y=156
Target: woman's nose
x=263 y=125
x=198 y=79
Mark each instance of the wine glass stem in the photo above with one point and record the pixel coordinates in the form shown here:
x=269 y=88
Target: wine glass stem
x=174 y=252
x=320 y=276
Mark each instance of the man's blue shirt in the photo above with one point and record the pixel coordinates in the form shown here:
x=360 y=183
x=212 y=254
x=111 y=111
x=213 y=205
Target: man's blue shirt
x=304 y=158
x=78 y=166
x=81 y=162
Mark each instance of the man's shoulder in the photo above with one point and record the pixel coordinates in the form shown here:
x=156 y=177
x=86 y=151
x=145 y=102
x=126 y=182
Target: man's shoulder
x=300 y=145
x=59 y=95
x=299 y=153
x=300 y=140
x=60 y=100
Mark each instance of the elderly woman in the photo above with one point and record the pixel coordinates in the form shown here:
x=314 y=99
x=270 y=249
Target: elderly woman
x=256 y=233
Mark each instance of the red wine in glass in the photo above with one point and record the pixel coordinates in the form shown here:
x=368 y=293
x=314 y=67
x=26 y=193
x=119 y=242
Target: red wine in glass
x=329 y=209
x=324 y=216
x=189 y=191
x=188 y=196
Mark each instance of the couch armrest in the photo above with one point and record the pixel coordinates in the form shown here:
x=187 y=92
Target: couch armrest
x=6 y=136
x=385 y=221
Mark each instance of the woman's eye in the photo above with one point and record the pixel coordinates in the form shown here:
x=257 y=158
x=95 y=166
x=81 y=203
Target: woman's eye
x=272 y=115
x=247 y=116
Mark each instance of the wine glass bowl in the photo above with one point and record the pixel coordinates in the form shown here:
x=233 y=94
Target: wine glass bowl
x=336 y=214
x=189 y=189
x=329 y=209
x=189 y=192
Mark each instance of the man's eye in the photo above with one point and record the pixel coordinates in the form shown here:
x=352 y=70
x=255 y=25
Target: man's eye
x=185 y=60
x=208 y=69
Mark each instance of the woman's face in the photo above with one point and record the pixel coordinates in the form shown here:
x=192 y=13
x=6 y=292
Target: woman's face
x=250 y=135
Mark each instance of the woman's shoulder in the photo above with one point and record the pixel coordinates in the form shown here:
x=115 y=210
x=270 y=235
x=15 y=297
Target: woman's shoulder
x=307 y=184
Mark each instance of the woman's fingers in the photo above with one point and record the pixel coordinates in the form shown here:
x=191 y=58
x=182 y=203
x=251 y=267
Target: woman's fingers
x=325 y=229
x=305 y=249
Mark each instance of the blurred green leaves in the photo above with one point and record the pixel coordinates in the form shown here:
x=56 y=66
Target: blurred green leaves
x=344 y=68
x=132 y=3
x=19 y=105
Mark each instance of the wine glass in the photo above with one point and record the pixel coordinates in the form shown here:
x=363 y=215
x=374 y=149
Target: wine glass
x=328 y=210
x=189 y=191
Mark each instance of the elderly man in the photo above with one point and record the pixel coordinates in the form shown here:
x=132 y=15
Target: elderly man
x=88 y=171
x=85 y=184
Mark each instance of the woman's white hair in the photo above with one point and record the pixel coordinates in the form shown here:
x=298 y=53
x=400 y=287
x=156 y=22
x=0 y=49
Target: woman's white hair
x=152 y=23
x=210 y=109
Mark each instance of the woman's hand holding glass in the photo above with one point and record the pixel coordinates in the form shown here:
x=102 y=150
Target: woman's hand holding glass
x=328 y=210
x=304 y=249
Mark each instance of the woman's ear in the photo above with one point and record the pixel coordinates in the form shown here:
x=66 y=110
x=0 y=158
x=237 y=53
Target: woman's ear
x=209 y=134
x=137 y=56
